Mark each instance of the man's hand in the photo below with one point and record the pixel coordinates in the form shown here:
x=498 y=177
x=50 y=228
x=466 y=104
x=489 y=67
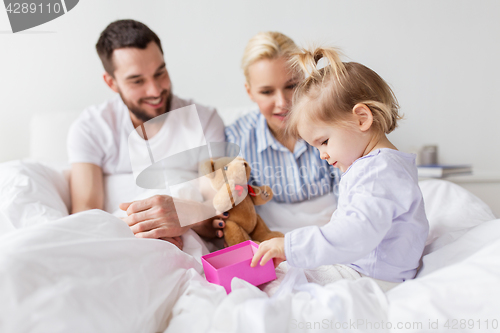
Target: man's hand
x=273 y=248
x=156 y=217
x=177 y=241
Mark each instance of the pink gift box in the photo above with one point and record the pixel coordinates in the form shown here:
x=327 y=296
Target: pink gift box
x=221 y=266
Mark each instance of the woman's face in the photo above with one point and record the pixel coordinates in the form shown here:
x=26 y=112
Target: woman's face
x=271 y=86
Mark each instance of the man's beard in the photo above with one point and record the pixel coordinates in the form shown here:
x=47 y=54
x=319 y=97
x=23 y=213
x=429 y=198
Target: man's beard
x=141 y=114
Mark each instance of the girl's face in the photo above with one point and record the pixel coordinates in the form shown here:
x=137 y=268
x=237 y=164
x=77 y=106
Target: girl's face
x=271 y=86
x=339 y=144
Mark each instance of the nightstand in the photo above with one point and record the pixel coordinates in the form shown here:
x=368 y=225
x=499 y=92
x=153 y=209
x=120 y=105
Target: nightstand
x=484 y=185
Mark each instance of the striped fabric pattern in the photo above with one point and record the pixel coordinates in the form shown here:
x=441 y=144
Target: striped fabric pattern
x=293 y=177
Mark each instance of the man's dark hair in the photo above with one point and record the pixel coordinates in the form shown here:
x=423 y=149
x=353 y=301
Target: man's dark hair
x=121 y=34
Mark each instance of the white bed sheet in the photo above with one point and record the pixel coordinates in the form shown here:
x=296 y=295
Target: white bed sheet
x=88 y=273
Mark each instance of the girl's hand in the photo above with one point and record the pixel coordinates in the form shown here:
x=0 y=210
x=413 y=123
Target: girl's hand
x=273 y=248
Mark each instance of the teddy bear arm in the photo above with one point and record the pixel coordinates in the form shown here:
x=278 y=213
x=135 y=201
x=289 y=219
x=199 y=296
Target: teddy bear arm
x=262 y=231
x=263 y=194
x=234 y=233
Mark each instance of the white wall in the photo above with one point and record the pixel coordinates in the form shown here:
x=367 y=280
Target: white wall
x=440 y=56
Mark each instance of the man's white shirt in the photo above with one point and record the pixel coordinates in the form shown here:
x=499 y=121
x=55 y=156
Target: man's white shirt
x=101 y=133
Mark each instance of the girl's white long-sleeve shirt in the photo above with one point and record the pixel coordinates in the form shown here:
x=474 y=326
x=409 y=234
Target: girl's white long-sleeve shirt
x=379 y=227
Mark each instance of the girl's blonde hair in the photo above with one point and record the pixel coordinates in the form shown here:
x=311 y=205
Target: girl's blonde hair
x=267 y=45
x=329 y=94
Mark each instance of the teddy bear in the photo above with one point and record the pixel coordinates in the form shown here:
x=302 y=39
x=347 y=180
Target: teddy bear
x=229 y=178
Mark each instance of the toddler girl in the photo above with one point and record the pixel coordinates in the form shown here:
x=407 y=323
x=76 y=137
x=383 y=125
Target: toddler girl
x=379 y=228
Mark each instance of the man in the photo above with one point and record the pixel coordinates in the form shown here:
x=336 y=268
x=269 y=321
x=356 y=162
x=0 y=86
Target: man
x=132 y=57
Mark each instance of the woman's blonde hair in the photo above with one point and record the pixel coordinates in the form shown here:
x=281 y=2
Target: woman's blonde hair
x=329 y=94
x=267 y=45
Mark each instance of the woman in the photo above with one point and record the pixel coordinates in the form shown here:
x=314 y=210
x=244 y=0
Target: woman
x=292 y=168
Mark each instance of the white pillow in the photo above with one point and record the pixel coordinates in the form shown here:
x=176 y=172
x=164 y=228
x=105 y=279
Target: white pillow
x=451 y=211
x=31 y=193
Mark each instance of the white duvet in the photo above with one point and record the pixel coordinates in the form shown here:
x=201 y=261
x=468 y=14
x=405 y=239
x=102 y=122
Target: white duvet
x=88 y=273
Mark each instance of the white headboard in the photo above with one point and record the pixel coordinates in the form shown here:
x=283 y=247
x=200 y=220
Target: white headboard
x=48 y=133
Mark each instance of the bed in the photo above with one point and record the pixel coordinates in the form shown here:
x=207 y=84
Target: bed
x=88 y=273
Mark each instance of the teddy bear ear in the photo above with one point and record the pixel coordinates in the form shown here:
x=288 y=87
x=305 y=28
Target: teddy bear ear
x=247 y=167
x=245 y=163
x=207 y=168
